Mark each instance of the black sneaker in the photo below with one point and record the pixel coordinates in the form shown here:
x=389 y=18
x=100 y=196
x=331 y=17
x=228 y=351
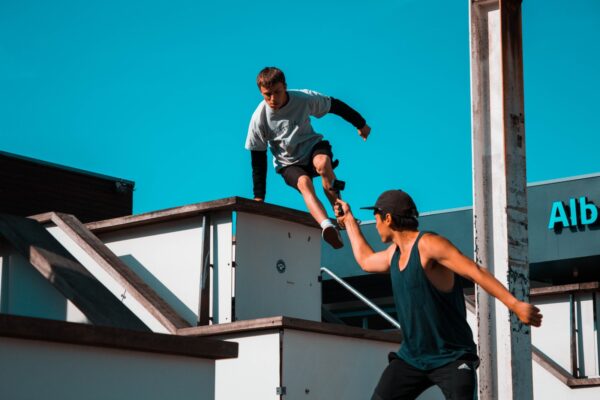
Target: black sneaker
x=332 y=236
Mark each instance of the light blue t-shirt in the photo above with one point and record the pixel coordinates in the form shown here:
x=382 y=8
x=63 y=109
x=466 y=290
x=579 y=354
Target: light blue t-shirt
x=288 y=131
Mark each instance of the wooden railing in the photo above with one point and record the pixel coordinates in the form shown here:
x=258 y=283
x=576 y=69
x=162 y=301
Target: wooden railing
x=570 y=378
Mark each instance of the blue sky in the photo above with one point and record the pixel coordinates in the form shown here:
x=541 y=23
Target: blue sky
x=161 y=92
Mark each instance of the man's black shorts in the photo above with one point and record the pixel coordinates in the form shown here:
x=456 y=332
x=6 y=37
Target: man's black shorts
x=400 y=380
x=292 y=173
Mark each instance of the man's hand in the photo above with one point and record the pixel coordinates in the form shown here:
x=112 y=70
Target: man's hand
x=364 y=132
x=345 y=214
x=259 y=199
x=341 y=209
x=528 y=313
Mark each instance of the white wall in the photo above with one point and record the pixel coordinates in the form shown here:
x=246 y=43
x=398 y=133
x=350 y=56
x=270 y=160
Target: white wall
x=222 y=276
x=553 y=337
x=44 y=370
x=587 y=335
x=254 y=374
x=24 y=291
x=118 y=289
x=328 y=366
x=262 y=291
x=318 y=366
x=168 y=257
x=546 y=386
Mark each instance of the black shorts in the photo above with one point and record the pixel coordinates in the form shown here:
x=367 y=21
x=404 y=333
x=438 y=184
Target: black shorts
x=292 y=173
x=400 y=380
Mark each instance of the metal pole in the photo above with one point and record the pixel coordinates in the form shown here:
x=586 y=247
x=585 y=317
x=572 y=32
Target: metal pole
x=362 y=298
x=499 y=194
x=573 y=335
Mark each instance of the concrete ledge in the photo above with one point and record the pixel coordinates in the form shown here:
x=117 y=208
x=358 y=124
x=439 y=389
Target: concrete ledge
x=565 y=289
x=89 y=335
x=281 y=322
x=227 y=204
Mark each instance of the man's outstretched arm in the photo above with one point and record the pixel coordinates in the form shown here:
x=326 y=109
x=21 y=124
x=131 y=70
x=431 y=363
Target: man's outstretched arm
x=342 y=109
x=445 y=253
x=259 y=174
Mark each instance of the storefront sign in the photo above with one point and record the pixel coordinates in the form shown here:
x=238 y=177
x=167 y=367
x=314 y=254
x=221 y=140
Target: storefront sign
x=577 y=213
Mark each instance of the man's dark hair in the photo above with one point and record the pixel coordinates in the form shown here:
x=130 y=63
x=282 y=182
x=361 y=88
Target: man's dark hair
x=269 y=77
x=400 y=222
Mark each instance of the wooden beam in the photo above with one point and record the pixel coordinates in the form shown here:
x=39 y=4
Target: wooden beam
x=547 y=363
x=566 y=289
x=112 y=264
x=66 y=274
x=560 y=373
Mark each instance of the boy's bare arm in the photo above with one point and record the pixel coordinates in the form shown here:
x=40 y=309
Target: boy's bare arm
x=368 y=259
x=446 y=254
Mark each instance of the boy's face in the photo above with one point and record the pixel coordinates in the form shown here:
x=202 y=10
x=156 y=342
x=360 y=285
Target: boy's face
x=276 y=96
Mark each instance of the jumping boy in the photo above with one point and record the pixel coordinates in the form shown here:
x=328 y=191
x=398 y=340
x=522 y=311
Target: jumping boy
x=282 y=122
x=438 y=347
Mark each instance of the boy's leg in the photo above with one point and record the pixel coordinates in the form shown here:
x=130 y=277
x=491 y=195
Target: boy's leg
x=322 y=157
x=314 y=205
x=298 y=178
x=322 y=164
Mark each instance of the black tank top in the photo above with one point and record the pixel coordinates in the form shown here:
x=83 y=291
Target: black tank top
x=434 y=323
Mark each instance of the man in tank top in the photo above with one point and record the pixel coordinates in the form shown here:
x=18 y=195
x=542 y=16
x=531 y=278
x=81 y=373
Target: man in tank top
x=438 y=347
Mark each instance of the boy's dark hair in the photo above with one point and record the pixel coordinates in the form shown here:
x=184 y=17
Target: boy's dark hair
x=269 y=76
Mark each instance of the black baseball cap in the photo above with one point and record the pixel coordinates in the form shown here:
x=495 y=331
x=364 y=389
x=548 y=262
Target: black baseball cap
x=395 y=202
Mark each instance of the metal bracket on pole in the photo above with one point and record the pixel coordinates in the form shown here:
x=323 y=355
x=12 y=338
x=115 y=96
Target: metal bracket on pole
x=204 y=307
x=499 y=193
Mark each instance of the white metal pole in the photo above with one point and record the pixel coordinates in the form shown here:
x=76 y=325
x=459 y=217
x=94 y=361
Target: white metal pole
x=361 y=297
x=499 y=193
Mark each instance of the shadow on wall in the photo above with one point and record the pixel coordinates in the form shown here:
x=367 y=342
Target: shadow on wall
x=24 y=291
x=164 y=292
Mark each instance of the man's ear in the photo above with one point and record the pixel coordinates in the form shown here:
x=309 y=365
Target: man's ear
x=388 y=219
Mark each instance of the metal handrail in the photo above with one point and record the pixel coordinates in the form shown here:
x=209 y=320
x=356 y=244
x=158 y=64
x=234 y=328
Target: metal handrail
x=361 y=297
